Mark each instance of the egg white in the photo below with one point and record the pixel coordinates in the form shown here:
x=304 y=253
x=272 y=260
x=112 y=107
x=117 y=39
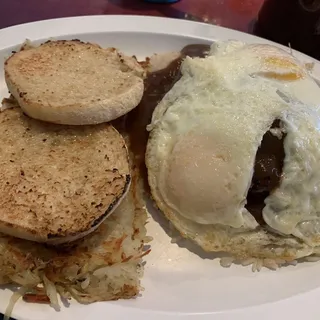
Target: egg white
x=204 y=137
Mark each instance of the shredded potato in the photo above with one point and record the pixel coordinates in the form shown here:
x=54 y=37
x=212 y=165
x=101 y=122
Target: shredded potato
x=105 y=265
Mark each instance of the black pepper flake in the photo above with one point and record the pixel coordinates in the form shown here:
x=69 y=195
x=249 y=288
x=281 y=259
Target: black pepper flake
x=21 y=172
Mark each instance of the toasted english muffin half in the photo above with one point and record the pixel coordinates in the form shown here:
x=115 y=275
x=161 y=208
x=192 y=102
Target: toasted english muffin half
x=74 y=83
x=58 y=183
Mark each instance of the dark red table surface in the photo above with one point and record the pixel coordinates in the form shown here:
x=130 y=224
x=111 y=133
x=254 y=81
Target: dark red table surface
x=235 y=14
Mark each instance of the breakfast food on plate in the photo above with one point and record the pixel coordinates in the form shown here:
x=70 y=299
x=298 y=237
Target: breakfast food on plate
x=232 y=161
x=104 y=265
x=72 y=214
x=58 y=183
x=72 y=82
x=234 y=151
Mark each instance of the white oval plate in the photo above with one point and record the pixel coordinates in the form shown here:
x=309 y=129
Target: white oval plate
x=180 y=280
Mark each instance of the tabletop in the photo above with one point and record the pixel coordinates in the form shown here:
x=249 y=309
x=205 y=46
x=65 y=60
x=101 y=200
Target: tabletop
x=235 y=14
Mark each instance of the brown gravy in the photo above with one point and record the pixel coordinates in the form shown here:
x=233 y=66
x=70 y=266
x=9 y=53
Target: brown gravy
x=270 y=155
x=157 y=84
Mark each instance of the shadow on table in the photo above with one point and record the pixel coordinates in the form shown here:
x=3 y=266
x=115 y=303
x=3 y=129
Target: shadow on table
x=166 y=10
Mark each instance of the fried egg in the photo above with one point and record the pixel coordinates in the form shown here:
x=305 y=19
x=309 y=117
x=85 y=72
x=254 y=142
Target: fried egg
x=204 y=137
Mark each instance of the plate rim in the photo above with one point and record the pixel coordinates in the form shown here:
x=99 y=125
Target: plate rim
x=93 y=24
x=44 y=29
